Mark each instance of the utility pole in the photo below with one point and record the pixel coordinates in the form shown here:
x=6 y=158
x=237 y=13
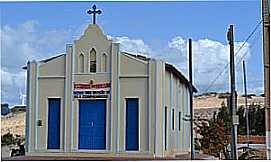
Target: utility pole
x=233 y=95
x=191 y=99
x=266 y=61
x=246 y=108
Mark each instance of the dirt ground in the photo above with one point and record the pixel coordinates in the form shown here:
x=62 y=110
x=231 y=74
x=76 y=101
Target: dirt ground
x=5 y=151
x=62 y=158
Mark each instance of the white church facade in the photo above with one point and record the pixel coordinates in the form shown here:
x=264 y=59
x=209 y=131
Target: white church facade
x=95 y=100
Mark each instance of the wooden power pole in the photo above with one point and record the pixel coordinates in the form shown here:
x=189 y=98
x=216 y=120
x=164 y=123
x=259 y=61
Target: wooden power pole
x=233 y=95
x=191 y=99
x=246 y=108
x=266 y=62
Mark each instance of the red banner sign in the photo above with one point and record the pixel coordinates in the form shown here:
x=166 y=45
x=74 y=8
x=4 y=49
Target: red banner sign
x=91 y=85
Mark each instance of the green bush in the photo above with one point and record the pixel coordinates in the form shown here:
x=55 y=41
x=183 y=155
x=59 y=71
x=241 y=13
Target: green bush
x=9 y=139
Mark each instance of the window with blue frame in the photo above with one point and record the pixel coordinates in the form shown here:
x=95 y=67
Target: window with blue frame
x=173 y=115
x=180 y=120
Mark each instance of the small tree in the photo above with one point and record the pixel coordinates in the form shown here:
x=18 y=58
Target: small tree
x=256 y=120
x=214 y=133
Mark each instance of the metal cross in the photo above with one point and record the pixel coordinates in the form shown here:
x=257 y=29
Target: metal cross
x=94 y=12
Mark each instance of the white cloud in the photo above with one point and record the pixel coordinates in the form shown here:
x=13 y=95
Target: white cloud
x=11 y=85
x=26 y=41
x=209 y=59
x=21 y=43
x=178 y=43
x=137 y=46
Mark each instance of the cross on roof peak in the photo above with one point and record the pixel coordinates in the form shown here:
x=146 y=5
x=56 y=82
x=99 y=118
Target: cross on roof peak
x=94 y=12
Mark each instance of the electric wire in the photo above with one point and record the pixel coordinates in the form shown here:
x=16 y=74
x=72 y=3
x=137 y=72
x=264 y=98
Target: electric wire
x=236 y=53
x=239 y=61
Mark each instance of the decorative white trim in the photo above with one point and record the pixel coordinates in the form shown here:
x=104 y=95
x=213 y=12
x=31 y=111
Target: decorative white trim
x=65 y=103
x=178 y=125
x=73 y=62
x=171 y=112
x=107 y=124
x=133 y=76
x=163 y=112
x=67 y=97
x=187 y=123
x=71 y=97
x=69 y=78
x=155 y=105
x=51 y=77
x=36 y=104
x=93 y=151
x=92 y=98
x=135 y=152
x=145 y=62
x=118 y=101
x=77 y=128
x=88 y=73
x=110 y=100
x=53 y=150
x=72 y=119
x=148 y=106
x=28 y=108
x=183 y=115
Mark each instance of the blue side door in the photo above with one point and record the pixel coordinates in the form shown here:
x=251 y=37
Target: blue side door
x=53 y=141
x=92 y=124
x=131 y=124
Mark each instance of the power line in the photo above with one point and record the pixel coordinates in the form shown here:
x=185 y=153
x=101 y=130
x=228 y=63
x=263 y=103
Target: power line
x=239 y=49
x=252 y=44
x=238 y=62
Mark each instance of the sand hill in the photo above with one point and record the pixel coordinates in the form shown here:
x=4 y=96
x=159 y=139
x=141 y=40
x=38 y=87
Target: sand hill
x=13 y=123
x=214 y=100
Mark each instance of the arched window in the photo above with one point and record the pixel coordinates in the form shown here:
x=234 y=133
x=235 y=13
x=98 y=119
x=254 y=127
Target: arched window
x=104 y=63
x=92 y=61
x=81 y=63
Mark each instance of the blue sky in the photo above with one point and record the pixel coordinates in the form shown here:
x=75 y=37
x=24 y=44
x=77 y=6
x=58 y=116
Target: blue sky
x=157 y=29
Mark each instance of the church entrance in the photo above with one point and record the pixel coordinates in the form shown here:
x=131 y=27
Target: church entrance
x=53 y=141
x=92 y=124
x=132 y=124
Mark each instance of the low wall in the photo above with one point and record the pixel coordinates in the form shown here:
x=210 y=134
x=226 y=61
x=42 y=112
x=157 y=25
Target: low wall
x=253 y=139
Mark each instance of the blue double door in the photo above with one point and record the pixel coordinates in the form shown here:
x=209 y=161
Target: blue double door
x=92 y=124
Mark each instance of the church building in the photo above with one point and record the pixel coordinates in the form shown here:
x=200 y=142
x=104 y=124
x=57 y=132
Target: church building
x=95 y=100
